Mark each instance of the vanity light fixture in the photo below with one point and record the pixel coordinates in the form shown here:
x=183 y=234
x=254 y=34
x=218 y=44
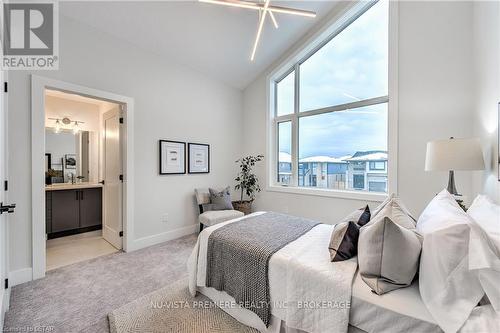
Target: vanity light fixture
x=65 y=123
x=76 y=128
x=57 y=128
x=263 y=8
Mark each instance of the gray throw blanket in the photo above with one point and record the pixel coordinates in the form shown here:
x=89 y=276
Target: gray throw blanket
x=238 y=257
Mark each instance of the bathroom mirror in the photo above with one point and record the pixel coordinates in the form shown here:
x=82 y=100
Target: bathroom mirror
x=70 y=157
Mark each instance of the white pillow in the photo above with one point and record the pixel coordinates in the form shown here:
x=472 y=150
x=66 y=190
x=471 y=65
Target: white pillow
x=448 y=289
x=487 y=214
x=484 y=246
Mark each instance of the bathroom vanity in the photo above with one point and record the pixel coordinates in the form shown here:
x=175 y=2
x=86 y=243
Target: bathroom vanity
x=72 y=209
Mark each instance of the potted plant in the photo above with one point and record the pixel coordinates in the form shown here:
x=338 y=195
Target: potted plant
x=247 y=183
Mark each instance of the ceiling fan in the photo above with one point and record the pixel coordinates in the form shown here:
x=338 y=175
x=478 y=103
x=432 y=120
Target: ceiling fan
x=264 y=8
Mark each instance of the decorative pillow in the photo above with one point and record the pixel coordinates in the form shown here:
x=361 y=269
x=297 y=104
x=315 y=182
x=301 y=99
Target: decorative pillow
x=448 y=288
x=389 y=249
x=383 y=204
x=344 y=241
x=365 y=217
x=487 y=215
x=397 y=211
x=484 y=246
x=392 y=199
x=220 y=200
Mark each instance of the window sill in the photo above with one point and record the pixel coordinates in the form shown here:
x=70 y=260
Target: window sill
x=351 y=195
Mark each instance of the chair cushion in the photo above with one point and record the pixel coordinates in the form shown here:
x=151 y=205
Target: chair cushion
x=217 y=216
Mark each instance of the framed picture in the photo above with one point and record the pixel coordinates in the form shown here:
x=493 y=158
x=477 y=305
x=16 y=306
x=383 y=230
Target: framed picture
x=172 y=157
x=199 y=158
x=70 y=161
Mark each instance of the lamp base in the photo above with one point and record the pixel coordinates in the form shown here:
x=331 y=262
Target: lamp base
x=451 y=184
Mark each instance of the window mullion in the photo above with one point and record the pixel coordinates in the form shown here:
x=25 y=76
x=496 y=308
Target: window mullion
x=295 y=128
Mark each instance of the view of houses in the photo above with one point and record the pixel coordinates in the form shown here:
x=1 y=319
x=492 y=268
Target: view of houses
x=362 y=171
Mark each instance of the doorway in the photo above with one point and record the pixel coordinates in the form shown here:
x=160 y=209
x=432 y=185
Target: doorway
x=83 y=186
x=84 y=203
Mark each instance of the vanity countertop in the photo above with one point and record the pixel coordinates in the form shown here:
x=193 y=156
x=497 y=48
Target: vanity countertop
x=69 y=186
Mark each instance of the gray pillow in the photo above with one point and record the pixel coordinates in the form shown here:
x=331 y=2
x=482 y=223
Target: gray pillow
x=220 y=200
x=392 y=199
x=389 y=249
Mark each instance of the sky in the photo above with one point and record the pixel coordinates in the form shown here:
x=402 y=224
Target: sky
x=351 y=67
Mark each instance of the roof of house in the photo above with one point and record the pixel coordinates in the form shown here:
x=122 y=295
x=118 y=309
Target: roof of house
x=321 y=159
x=284 y=157
x=372 y=156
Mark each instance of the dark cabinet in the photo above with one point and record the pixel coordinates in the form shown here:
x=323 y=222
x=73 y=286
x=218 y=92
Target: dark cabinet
x=65 y=210
x=90 y=207
x=73 y=211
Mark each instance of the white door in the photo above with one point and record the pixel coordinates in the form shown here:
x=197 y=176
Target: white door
x=4 y=293
x=112 y=169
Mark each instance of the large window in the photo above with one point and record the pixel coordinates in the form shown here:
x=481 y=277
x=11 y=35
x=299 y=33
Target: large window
x=331 y=109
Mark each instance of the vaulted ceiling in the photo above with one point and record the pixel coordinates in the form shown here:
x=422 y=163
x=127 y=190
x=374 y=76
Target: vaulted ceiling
x=214 y=40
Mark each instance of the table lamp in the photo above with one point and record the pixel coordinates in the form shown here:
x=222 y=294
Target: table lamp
x=454 y=154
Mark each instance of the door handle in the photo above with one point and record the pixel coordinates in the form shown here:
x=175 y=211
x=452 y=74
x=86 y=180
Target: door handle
x=101 y=182
x=7 y=208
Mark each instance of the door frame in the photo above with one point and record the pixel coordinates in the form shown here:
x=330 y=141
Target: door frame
x=38 y=86
x=4 y=239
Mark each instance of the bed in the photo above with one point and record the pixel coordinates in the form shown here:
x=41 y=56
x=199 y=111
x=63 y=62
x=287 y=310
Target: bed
x=397 y=311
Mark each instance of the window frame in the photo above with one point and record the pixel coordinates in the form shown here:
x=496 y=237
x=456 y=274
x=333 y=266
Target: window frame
x=324 y=35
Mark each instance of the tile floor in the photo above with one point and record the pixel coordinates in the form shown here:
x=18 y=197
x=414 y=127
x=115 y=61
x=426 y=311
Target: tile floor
x=68 y=250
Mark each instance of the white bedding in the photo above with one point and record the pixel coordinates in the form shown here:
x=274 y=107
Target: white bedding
x=301 y=271
x=403 y=310
x=398 y=311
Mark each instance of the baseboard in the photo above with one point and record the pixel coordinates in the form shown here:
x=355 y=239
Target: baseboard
x=20 y=276
x=163 y=237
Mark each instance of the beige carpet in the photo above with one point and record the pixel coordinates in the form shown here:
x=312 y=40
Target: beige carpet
x=173 y=309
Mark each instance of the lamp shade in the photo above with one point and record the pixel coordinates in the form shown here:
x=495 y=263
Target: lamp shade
x=454 y=154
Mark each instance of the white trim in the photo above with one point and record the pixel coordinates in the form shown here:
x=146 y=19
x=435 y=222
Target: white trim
x=38 y=85
x=302 y=50
x=20 y=276
x=6 y=218
x=322 y=192
x=393 y=106
x=163 y=237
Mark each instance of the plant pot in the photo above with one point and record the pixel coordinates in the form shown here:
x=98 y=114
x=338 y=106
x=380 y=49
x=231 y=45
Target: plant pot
x=243 y=206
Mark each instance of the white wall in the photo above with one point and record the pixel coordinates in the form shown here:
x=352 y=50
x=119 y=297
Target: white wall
x=171 y=102
x=59 y=108
x=435 y=101
x=486 y=20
